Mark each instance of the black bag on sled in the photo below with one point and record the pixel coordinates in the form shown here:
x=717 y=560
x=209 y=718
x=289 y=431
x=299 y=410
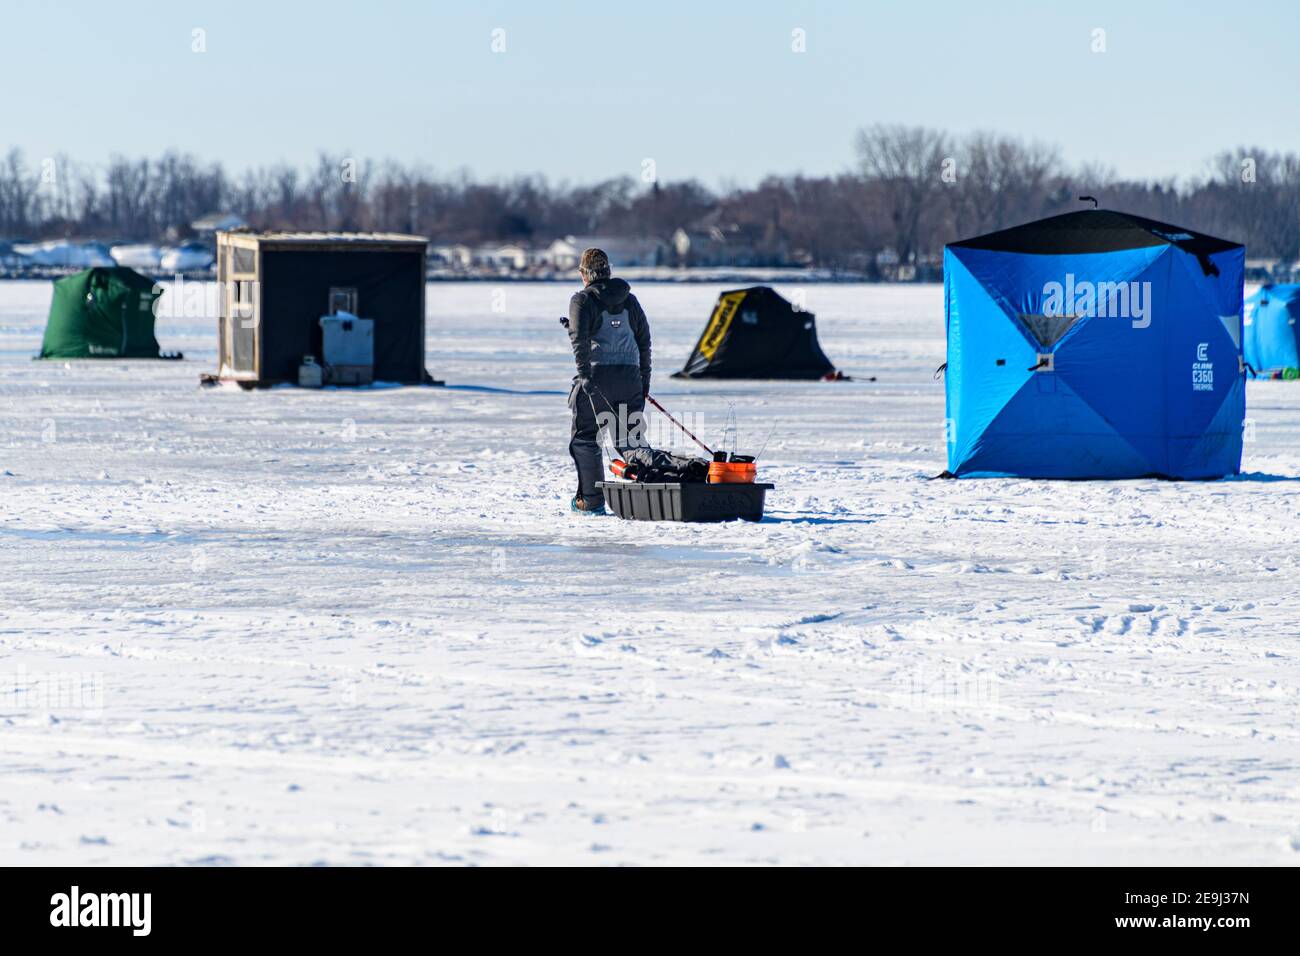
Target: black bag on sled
x=653 y=465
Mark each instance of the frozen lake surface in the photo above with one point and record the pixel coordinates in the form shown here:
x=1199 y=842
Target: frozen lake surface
x=362 y=626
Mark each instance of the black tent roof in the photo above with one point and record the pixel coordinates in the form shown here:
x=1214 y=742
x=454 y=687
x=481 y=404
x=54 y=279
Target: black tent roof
x=1094 y=230
x=755 y=333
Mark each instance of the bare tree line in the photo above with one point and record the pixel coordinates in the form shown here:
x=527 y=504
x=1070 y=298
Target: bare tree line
x=986 y=181
x=912 y=190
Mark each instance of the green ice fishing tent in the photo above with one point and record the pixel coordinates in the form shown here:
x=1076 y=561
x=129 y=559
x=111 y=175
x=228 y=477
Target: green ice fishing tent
x=101 y=313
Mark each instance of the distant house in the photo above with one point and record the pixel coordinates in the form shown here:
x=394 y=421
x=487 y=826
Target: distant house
x=215 y=222
x=891 y=266
x=717 y=240
x=623 y=251
x=687 y=241
x=713 y=246
x=503 y=258
x=199 y=253
x=562 y=254
x=450 y=256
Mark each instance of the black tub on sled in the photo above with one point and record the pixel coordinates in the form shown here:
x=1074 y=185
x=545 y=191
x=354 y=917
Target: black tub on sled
x=692 y=501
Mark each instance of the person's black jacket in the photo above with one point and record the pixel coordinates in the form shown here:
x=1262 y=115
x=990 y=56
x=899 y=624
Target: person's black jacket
x=585 y=308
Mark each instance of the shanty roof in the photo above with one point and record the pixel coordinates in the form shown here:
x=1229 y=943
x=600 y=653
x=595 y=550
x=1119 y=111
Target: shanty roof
x=354 y=240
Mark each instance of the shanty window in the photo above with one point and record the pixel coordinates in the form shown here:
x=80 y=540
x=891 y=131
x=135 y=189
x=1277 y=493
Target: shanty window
x=241 y=327
x=243 y=260
x=343 y=300
x=243 y=305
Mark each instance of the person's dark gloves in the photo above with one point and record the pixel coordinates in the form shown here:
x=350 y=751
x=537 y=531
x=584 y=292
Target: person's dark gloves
x=645 y=388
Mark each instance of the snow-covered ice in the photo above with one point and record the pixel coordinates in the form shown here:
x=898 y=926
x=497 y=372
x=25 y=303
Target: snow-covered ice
x=362 y=626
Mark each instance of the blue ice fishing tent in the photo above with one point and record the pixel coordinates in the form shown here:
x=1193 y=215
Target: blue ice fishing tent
x=1270 y=344
x=1094 y=345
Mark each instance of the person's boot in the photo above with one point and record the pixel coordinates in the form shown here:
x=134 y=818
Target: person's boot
x=581 y=506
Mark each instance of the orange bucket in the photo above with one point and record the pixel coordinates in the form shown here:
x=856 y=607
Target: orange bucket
x=732 y=472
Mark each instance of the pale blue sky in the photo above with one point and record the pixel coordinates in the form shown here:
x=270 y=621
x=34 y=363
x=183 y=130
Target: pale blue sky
x=586 y=90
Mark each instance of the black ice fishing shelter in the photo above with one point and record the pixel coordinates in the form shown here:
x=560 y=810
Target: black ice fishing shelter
x=277 y=286
x=755 y=333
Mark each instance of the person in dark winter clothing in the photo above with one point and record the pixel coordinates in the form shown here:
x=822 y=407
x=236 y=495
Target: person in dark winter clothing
x=611 y=348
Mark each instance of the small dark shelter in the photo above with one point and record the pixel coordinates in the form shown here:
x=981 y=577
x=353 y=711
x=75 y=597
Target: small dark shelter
x=276 y=287
x=755 y=333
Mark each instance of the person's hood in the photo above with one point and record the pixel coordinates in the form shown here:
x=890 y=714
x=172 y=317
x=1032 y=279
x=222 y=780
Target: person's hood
x=611 y=292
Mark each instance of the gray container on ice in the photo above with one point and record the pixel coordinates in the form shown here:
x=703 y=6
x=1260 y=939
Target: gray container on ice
x=348 y=349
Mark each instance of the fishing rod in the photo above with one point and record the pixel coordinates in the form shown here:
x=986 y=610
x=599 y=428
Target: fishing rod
x=650 y=399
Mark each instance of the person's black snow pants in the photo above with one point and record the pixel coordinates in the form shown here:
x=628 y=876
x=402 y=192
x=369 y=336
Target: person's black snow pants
x=611 y=402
